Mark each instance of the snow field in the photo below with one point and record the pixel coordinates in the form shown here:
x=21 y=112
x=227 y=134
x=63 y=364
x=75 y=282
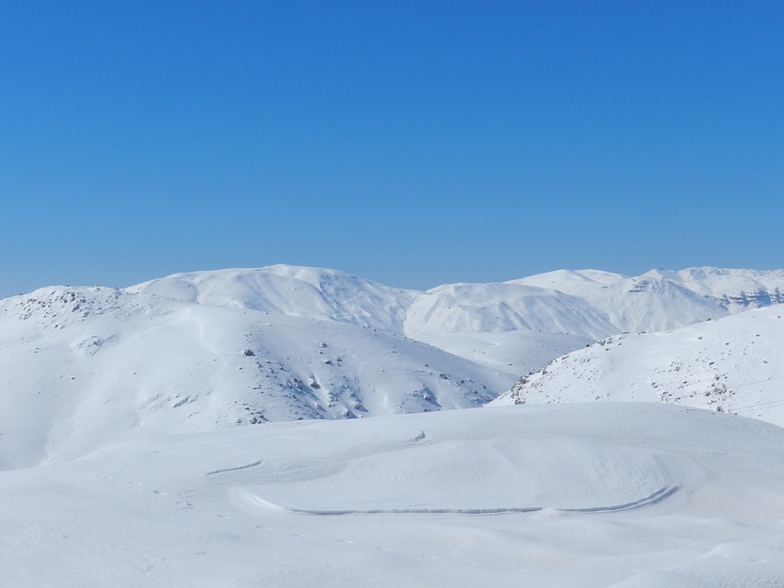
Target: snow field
x=197 y=509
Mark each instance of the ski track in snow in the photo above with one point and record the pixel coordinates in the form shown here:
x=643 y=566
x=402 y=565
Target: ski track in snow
x=658 y=496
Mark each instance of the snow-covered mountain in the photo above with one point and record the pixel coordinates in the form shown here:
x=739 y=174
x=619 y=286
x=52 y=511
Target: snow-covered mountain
x=733 y=365
x=551 y=313
x=737 y=289
x=131 y=452
x=305 y=292
x=659 y=300
x=587 y=303
x=209 y=350
x=74 y=359
x=489 y=308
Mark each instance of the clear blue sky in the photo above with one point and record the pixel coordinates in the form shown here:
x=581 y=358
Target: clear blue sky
x=414 y=143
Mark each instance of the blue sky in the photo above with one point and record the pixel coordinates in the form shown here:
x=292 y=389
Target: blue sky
x=409 y=142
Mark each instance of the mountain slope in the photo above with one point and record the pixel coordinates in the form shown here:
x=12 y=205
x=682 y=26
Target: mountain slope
x=483 y=308
x=210 y=349
x=733 y=365
x=78 y=364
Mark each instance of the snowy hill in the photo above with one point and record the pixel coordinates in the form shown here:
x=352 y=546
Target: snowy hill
x=733 y=365
x=132 y=450
x=292 y=291
x=737 y=289
x=487 y=308
x=659 y=300
x=76 y=363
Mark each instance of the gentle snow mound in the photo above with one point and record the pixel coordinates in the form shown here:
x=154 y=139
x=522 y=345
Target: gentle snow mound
x=417 y=494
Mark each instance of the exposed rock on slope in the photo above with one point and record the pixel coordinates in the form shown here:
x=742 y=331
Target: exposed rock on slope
x=733 y=365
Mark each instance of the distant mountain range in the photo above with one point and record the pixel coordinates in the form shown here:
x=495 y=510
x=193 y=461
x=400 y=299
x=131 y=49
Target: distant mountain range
x=219 y=349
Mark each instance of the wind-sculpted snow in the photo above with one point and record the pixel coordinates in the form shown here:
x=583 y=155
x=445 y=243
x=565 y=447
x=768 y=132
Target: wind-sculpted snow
x=80 y=364
x=204 y=430
x=733 y=365
x=590 y=495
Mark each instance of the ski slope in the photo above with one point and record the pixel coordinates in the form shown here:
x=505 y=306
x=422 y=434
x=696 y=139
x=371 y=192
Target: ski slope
x=596 y=495
x=733 y=365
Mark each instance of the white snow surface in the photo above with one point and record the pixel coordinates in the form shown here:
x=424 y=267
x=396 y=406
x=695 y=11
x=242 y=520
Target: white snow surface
x=734 y=365
x=306 y=292
x=514 y=326
x=587 y=303
x=659 y=300
x=240 y=347
x=74 y=359
x=590 y=495
x=206 y=429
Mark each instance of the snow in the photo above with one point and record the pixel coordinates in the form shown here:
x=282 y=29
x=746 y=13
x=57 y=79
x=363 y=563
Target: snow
x=604 y=494
x=512 y=352
x=292 y=291
x=502 y=307
x=209 y=429
x=587 y=303
x=659 y=300
x=74 y=359
x=574 y=283
x=733 y=365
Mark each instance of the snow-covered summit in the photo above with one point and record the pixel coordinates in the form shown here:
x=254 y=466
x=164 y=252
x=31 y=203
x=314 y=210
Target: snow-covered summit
x=322 y=294
x=576 y=283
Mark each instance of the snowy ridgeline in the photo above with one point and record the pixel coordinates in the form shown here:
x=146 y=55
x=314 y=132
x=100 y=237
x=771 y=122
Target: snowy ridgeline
x=211 y=350
x=588 y=303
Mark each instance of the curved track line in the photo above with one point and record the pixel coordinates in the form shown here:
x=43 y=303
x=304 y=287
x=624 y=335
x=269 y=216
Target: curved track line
x=654 y=498
x=245 y=467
